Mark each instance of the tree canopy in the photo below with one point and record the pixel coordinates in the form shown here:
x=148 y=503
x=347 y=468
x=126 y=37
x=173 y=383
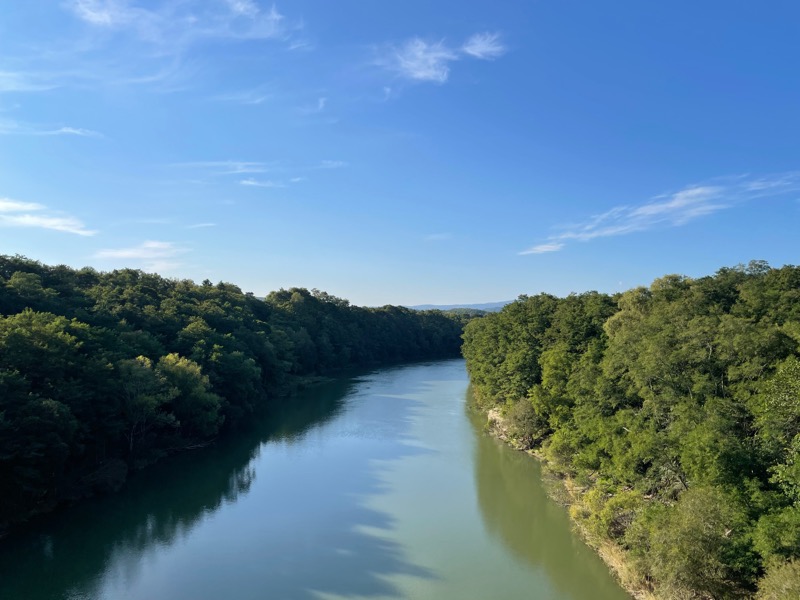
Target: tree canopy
x=676 y=410
x=101 y=372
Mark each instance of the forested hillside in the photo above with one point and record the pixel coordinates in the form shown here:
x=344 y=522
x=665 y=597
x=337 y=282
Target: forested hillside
x=101 y=372
x=674 y=411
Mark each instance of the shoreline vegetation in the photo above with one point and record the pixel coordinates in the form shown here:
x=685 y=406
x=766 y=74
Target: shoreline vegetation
x=565 y=491
x=102 y=373
x=671 y=417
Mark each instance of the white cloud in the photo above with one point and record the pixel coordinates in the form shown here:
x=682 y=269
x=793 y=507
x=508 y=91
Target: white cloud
x=543 y=248
x=680 y=205
x=301 y=44
x=66 y=224
x=143 y=43
x=11 y=127
x=201 y=225
x=105 y=13
x=7 y=206
x=423 y=61
x=485 y=46
x=153 y=255
x=30 y=214
x=772 y=184
x=671 y=210
x=289 y=173
x=245 y=8
x=420 y=60
x=263 y=184
x=79 y=131
x=175 y=25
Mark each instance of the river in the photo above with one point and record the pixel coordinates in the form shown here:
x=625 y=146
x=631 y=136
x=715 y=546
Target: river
x=376 y=486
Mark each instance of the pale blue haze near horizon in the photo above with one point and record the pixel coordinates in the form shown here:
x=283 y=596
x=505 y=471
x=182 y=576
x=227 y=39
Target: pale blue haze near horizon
x=401 y=152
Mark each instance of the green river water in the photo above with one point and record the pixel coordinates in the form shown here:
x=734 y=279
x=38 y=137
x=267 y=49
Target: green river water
x=377 y=486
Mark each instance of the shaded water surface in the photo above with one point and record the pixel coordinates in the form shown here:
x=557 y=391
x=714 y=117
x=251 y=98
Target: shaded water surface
x=379 y=486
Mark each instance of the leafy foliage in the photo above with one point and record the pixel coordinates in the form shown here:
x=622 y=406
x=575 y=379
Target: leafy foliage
x=103 y=370
x=677 y=407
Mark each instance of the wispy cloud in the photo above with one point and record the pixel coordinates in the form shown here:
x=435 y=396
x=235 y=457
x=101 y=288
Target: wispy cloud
x=261 y=183
x=485 y=46
x=544 y=248
x=246 y=8
x=152 y=255
x=201 y=225
x=101 y=66
x=14 y=213
x=301 y=45
x=423 y=61
x=145 y=43
x=105 y=13
x=285 y=171
x=172 y=26
x=13 y=206
x=671 y=210
x=10 y=127
x=79 y=131
x=420 y=60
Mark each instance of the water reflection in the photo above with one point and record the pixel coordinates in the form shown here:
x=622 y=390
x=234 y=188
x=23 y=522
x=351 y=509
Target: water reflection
x=364 y=488
x=276 y=513
x=516 y=509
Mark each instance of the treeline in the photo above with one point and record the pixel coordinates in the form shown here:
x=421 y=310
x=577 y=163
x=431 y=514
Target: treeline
x=102 y=372
x=674 y=411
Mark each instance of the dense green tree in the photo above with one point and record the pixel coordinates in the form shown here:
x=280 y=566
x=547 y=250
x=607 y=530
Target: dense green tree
x=145 y=394
x=699 y=546
x=675 y=406
x=103 y=370
x=781 y=582
x=195 y=406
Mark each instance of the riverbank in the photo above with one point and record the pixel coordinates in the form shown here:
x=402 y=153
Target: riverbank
x=570 y=494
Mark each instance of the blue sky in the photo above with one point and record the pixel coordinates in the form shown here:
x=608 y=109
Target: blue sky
x=401 y=152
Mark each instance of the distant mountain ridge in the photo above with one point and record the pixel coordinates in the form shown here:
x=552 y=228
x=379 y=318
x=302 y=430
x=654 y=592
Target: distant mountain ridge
x=487 y=306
